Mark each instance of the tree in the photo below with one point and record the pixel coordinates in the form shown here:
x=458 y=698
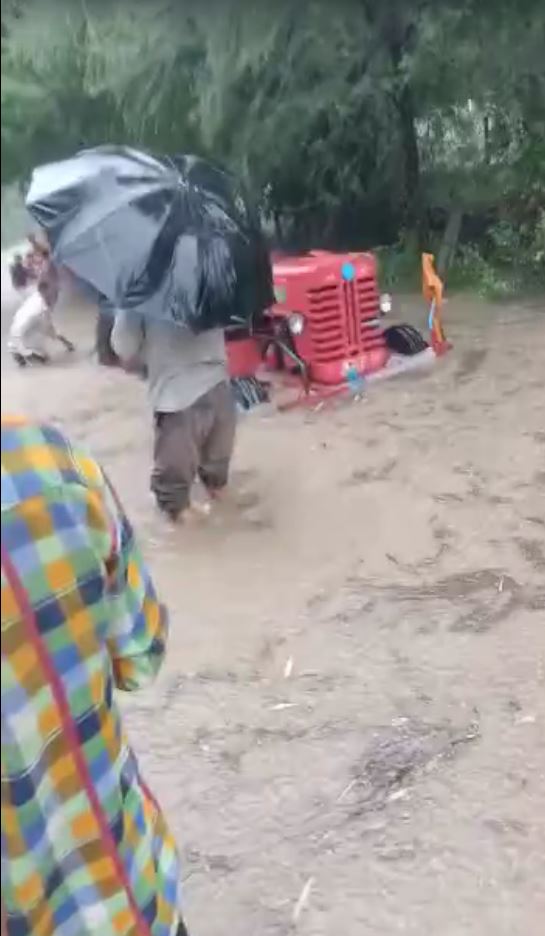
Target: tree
x=46 y=109
x=353 y=127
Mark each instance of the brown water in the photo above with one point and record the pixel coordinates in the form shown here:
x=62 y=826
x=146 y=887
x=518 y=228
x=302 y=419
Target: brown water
x=352 y=710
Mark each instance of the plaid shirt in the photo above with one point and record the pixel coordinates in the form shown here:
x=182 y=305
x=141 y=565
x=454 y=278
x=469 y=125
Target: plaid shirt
x=85 y=849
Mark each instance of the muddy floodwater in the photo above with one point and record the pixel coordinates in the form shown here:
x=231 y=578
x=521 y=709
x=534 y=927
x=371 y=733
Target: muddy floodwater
x=348 y=735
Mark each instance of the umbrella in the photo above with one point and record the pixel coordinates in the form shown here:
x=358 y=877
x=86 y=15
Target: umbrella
x=170 y=238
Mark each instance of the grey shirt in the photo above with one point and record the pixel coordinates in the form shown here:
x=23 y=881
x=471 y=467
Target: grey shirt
x=181 y=366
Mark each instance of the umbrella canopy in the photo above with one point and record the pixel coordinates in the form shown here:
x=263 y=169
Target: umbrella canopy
x=170 y=238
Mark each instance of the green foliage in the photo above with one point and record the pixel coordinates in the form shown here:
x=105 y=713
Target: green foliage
x=353 y=124
x=46 y=109
x=471 y=270
x=399 y=265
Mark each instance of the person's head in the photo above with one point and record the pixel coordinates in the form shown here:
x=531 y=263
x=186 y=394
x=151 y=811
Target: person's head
x=38 y=244
x=17 y=258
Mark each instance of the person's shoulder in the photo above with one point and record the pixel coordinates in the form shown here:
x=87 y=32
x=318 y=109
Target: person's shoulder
x=37 y=457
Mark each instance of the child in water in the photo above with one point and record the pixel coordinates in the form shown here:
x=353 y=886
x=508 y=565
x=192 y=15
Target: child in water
x=32 y=325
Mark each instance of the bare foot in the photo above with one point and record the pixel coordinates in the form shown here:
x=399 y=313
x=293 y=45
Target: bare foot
x=233 y=499
x=217 y=494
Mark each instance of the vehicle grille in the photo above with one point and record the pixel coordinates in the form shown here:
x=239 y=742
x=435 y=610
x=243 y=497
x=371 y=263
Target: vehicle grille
x=343 y=320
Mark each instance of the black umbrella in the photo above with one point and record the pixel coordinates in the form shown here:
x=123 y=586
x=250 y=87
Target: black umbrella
x=170 y=238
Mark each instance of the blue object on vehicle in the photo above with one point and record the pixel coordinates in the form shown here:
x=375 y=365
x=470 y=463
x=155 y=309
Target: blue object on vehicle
x=431 y=315
x=355 y=381
x=347 y=271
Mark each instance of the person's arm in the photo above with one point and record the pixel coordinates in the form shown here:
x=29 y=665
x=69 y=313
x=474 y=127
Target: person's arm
x=137 y=624
x=127 y=339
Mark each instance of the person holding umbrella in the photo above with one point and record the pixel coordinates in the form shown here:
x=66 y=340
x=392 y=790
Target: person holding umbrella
x=193 y=406
x=173 y=246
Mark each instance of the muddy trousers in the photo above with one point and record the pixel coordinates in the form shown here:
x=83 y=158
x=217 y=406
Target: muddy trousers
x=195 y=442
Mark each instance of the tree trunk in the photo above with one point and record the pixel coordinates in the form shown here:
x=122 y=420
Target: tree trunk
x=450 y=241
x=487 y=128
x=397 y=26
x=278 y=228
x=414 y=200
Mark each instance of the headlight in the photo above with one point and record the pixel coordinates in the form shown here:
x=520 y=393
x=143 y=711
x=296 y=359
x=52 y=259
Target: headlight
x=385 y=303
x=296 y=323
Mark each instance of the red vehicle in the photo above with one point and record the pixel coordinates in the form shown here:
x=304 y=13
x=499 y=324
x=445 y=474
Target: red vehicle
x=324 y=327
x=323 y=333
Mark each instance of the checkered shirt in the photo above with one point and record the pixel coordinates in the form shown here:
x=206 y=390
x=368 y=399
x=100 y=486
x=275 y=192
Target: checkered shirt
x=85 y=849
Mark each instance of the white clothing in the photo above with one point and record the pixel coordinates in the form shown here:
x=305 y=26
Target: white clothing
x=30 y=327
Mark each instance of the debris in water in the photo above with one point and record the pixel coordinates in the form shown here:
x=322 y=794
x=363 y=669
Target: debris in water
x=346 y=790
x=396 y=852
x=288 y=669
x=302 y=900
x=398 y=753
x=397 y=795
x=249 y=392
x=526 y=720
